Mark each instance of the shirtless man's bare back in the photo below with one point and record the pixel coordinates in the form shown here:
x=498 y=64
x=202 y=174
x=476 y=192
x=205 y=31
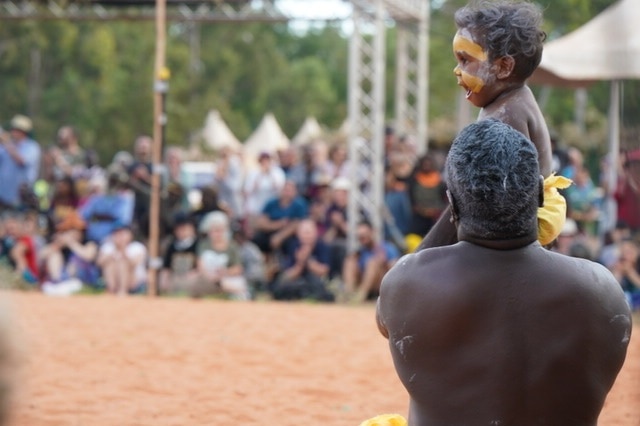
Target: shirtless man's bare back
x=496 y=330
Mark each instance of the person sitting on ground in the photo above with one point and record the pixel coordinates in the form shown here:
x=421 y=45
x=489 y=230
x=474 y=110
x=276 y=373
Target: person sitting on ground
x=279 y=219
x=427 y=195
x=219 y=264
x=209 y=203
x=496 y=329
x=68 y=261
x=364 y=269
x=627 y=194
x=20 y=246
x=498 y=45
x=64 y=201
x=252 y=259
x=336 y=225
x=123 y=262
x=107 y=208
x=305 y=267
x=583 y=202
x=179 y=260
x=627 y=271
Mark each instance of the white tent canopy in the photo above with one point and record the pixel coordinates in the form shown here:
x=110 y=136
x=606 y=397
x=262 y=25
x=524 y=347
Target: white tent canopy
x=216 y=133
x=267 y=137
x=605 y=48
x=309 y=131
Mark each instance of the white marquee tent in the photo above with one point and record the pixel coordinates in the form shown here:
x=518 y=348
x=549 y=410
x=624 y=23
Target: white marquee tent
x=605 y=48
x=267 y=137
x=216 y=133
x=309 y=131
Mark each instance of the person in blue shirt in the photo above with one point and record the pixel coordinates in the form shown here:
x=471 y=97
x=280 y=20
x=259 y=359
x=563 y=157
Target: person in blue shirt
x=363 y=270
x=19 y=161
x=104 y=212
x=279 y=219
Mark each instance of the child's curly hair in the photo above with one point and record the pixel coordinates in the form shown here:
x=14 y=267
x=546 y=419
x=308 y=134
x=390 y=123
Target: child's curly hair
x=506 y=28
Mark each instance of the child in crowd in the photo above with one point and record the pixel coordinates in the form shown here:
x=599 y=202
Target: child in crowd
x=19 y=246
x=123 y=262
x=68 y=260
x=180 y=258
x=498 y=45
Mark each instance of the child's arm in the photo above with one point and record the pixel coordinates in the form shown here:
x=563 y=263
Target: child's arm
x=443 y=233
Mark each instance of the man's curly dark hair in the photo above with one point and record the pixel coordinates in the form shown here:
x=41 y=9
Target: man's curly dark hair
x=493 y=176
x=506 y=28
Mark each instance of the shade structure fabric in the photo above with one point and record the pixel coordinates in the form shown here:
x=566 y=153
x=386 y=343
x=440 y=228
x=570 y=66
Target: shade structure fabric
x=216 y=133
x=309 y=131
x=267 y=137
x=605 y=48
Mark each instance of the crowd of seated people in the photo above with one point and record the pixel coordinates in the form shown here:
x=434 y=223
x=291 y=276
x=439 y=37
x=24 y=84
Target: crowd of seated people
x=278 y=229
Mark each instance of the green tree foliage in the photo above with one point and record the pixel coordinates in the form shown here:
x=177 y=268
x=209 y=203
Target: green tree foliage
x=99 y=76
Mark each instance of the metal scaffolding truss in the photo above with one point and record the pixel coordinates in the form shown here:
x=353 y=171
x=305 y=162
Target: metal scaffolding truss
x=412 y=82
x=366 y=115
x=106 y=10
x=367 y=98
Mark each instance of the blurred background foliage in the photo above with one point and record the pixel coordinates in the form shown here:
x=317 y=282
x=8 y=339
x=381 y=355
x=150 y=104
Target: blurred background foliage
x=98 y=76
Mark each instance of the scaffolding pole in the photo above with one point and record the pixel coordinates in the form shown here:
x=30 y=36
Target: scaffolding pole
x=367 y=97
x=366 y=116
x=412 y=77
x=161 y=78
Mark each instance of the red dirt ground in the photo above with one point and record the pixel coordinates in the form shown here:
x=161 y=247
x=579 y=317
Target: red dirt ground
x=100 y=360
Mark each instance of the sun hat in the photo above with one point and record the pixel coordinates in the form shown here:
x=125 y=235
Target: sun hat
x=22 y=123
x=341 y=183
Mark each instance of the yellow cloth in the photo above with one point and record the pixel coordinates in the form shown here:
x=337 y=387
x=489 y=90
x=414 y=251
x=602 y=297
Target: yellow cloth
x=385 y=420
x=552 y=214
x=412 y=241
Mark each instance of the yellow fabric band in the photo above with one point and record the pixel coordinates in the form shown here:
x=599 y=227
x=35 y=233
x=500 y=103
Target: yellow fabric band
x=552 y=214
x=385 y=420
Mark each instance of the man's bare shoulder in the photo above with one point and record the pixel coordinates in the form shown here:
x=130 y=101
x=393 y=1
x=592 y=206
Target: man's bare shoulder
x=420 y=280
x=412 y=269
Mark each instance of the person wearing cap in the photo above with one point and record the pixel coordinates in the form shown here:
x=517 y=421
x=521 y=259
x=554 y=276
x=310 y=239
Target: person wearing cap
x=336 y=225
x=123 y=262
x=219 y=261
x=19 y=161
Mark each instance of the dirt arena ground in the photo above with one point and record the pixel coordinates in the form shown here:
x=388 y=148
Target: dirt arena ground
x=99 y=360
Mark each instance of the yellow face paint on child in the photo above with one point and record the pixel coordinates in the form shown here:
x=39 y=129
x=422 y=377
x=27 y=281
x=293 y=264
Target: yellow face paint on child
x=467 y=46
x=463 y=46
x=471 y=82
